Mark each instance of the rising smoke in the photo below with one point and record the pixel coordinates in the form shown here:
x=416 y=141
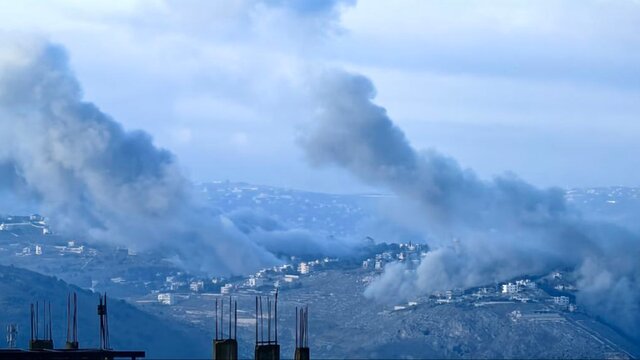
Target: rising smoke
x=97 y=180
x=480 y=231
x=268 y=232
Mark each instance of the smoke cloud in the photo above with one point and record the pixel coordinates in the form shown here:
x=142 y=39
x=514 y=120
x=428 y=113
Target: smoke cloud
x=277 y=238
x=95 y=179
x=481 y=231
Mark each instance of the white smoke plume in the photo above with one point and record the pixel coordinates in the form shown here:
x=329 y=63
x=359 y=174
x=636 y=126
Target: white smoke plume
x=95 y=179
x=481 y=231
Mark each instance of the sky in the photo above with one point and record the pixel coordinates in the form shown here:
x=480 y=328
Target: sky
x=548 y=90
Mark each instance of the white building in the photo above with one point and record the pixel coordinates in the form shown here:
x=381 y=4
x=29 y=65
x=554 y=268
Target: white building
x=166 y=299
x=304 y=268
x=526 y=283
x=286 y=267
x=291 y=278
x=38 y=250
x=379 y=264
x=76 y=250
x=226 y=289
x=367 y=264
x=176 y=285
x=451 y=294
x=196 y=286
x=510 y=288
x=36 y=218
x=561 y=300
x=255 y=281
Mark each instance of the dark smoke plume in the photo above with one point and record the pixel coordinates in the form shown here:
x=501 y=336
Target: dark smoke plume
x=95 y=179
x=481 y=231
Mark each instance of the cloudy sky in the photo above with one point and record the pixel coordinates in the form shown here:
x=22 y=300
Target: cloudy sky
x=549 y=90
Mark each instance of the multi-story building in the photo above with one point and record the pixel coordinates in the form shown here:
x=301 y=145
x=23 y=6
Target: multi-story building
x=255 y=281
x=196 y=286
x=304 y=268
x=510 y=288
x=226 y=289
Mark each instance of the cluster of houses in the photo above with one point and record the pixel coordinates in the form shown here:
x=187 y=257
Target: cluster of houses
x=70 y=248
x=32 y=224
x=514 y=289
x=524 y=290
x=518 y=286
x=281 y=276
x=407 y=252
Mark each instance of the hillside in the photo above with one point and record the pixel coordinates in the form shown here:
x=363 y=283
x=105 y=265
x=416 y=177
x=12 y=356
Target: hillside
x=130 y=328
x=346 y=324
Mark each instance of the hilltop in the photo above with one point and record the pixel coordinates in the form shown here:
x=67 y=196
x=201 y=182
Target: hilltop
x=130 y=328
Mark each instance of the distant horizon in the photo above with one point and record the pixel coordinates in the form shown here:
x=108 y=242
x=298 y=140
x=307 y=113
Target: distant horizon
x=373 y=191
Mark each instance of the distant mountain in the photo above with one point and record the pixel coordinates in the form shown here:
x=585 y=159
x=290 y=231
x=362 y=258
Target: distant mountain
x=130 y=328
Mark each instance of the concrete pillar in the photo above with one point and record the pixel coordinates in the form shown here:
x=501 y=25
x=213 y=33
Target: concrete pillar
x=302 y=353
x=267 y=352
x=225 y=349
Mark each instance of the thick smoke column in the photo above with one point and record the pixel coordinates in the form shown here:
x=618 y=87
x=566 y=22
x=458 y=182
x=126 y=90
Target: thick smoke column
x=94 y=178
x=481 y=231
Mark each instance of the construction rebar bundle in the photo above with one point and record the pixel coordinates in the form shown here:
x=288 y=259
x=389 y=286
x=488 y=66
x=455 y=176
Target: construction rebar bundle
x=302 y=334
x=268 y=349
x=271 y=320
x=226 y=348
x=104 y=323
x=35 y=343
x=233 y=320
x=302 y=327
x=72 y=321
x=41 y=336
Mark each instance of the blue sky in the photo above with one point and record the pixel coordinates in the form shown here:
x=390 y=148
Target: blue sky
x=549 y=90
